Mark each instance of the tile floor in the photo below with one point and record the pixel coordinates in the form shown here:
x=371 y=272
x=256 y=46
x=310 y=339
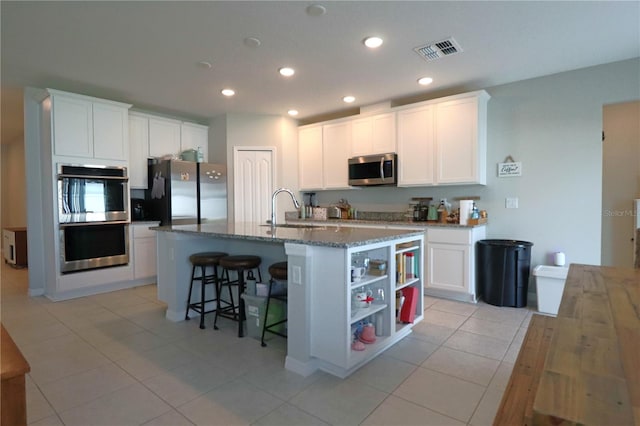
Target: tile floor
x=113 y=359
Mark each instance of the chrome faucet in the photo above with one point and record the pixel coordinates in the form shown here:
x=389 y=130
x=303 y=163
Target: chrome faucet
x=273 y=203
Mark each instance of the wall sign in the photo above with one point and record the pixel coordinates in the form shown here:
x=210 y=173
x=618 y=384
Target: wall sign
x=509 y=168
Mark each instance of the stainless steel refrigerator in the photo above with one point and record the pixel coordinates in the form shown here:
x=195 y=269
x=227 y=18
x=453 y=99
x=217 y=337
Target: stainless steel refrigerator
x=185 y=192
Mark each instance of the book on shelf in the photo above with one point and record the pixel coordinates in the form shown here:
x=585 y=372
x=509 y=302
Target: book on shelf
x=406 y=267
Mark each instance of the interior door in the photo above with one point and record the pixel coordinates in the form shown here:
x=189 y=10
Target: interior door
x=253 y=185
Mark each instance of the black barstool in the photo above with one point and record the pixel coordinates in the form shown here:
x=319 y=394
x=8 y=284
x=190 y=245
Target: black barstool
x=239 y=264
x=204 y=260
x=278 y=272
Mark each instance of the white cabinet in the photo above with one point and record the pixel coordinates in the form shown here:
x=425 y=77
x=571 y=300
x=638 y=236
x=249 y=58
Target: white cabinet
x=144 y=251
x=88 y=127
x=336 y=149
x=450 y=262
x=310 y=154
x=138 y=151
x=337 y=294
x=461 y=140
x=164 y=136
x=195 y=136
x=375 y=134
x=416 y=146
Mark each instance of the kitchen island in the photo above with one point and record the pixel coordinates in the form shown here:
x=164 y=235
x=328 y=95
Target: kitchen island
x=321 y=316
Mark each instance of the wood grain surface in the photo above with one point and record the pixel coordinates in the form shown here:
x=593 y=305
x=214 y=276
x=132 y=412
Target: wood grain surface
x=13 y=366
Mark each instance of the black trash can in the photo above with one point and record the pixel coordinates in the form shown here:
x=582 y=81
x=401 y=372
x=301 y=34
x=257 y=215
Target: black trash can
x=503 y=268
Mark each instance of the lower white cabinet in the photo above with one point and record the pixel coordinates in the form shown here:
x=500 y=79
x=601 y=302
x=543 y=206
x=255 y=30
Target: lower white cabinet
x=144 y=250
x=450 y=262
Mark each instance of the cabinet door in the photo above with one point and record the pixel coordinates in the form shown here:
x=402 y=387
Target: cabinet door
x=72 y=127
x=310 y=157
x=457 y=141
x=448 y=267
x=110 y=132
x=164 y=137
x=195 y=136
x=336 y=149
x=138 y=151
x=144 y=257
x=383 y=133
x=361 y=136
x=416 y=146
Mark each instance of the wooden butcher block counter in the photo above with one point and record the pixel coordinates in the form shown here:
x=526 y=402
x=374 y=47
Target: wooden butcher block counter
x=591 y=373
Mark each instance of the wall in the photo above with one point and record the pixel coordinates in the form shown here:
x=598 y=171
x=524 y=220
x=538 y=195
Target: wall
x=553 y=126
x=14 y=211
x=620 y=182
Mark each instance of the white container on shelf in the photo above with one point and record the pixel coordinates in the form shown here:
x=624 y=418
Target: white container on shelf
x=549 y=286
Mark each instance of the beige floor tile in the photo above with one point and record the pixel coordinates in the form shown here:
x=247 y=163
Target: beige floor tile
x=135 y=310
x=288 y=415
x=188 y=381
x=445 y=319
x=428 y=301
x=501 y=377
x=171 y=418
x=490 y=328
x=522 y=332
x=383 y=373
x=38 y=408
x=463 y=365
x=52 y=420
x=155 y=361
x=505 y=315
x=444 y=394
x=459 y=308
x=132 y=405
x=486 y=411
x=130 y=345
x=412 y=351
x=279 y=382
x=66 y=362
x=118 y=299
x=34 y=333
x=341 y=402
x=396 y=411
x=235 y=403
x=512 y=353
x=436 y=334
x=476 y=344
x=81 y=388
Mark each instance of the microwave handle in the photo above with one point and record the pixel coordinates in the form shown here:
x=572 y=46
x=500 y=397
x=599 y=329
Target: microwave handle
x=382 y=167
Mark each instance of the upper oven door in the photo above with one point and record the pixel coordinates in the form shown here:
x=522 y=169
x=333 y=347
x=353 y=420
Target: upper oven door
x=92 y=194
x=373 y=170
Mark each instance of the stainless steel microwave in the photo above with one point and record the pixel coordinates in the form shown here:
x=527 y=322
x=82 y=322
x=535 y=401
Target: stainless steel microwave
x=370 y=170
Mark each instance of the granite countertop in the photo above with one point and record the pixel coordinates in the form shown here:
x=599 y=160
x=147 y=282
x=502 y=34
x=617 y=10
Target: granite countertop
x=330 y=236
x=408 y=223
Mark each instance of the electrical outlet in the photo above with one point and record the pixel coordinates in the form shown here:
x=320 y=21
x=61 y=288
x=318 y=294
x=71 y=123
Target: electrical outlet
x=511 y=202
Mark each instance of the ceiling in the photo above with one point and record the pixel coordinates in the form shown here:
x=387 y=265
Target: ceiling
x=146 y=52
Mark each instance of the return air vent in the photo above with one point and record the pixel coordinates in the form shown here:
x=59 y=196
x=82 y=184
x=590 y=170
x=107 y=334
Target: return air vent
x=437 y=50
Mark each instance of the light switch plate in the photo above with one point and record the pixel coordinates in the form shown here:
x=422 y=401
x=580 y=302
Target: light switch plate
x=511 y=202
x=296 y=275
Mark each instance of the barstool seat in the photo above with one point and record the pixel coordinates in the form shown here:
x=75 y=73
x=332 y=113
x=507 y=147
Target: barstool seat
x=278 y=272
x=239 y=264
x=203 y=261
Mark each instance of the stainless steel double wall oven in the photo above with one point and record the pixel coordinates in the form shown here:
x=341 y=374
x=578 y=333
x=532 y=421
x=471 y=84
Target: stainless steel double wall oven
x=93 y=216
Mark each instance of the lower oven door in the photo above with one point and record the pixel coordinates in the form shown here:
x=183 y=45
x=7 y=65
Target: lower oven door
x=95 y=245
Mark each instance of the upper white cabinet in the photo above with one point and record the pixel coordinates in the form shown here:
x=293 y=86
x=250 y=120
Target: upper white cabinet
x=88 y=127
x=310 y=157
x=443 y=141
x=138 y=150
x=195 y=136
x=374 y=134
x=416 y=146
x=164 y=136
x=336 y=150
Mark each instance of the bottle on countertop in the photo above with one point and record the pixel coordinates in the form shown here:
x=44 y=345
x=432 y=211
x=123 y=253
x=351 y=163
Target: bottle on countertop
x=442 y=211
x=475 y=213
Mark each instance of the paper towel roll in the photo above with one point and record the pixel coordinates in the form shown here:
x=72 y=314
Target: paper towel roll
x=559 y=258
x=465 y=211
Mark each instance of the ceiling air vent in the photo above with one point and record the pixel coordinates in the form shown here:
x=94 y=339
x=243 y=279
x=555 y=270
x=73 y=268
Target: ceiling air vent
x=437 y=50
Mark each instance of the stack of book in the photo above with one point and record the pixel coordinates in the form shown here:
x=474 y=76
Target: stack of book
x=406 y=267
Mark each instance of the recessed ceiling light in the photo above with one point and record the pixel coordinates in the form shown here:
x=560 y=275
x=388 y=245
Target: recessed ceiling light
x=425 y=81
x=372 y=42
x=252 y=42
x=292 y=112
x=204 y=64
x=316 y=10
x=349 y=99
x=286 y=71
x=228 y=92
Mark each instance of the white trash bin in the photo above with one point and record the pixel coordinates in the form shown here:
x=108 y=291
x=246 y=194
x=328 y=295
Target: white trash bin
x=549 y=286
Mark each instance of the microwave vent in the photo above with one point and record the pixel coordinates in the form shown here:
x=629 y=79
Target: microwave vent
x=439 y=49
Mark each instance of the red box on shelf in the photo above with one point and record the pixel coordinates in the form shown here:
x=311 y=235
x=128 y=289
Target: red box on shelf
x=408 y=310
